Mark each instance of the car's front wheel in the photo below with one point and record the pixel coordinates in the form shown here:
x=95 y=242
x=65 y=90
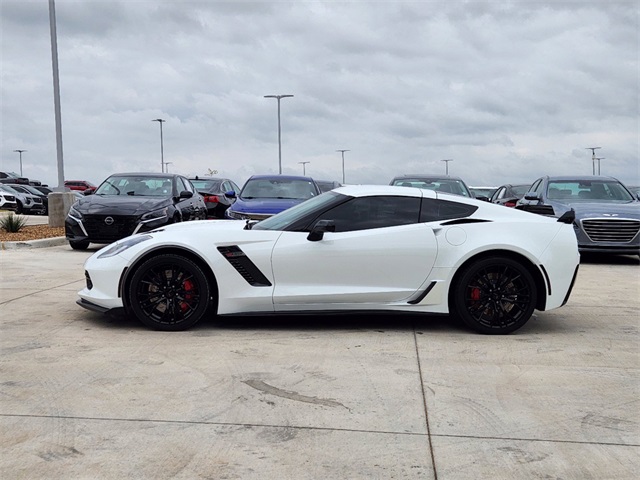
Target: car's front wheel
x=169 y=292
x=495 y=295
x=79 y=245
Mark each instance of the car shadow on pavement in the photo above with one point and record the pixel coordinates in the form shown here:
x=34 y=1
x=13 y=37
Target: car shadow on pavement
x=604 y=259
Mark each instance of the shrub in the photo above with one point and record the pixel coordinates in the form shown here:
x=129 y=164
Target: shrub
x=12 y=223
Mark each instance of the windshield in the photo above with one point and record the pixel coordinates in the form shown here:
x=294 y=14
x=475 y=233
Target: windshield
x=278 y=188
x=209 y=185
x=136 y=186
x=8 y=189
x=32 y=190
x=444 y=185
x=520 y=190
x=588 y=191
x=295 y=213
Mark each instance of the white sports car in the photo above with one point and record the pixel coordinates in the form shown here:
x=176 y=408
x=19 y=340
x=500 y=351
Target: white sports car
x=355 y=248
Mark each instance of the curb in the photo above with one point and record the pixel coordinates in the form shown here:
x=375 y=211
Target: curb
x=42 y=243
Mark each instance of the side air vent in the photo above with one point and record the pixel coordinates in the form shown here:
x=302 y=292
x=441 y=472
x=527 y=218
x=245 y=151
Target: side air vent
x=244 y=266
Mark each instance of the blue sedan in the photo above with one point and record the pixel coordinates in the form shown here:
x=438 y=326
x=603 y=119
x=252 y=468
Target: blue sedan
x=265 y=195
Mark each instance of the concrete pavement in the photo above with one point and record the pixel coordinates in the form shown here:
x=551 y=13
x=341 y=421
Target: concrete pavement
x=90 y=396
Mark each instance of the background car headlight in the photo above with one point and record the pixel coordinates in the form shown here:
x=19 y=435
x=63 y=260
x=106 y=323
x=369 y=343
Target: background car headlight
x=123 y=245
x=155 y=215
x=236 y=215
x=75 y=214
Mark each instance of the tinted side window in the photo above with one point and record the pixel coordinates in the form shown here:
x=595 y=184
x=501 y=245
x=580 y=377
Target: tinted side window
x=435 y=210
x=374 y=212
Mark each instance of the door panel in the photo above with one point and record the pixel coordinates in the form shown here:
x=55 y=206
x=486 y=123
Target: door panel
x=377 y=266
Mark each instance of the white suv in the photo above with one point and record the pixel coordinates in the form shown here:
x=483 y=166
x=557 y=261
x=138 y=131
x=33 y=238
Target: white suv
x=7 y=201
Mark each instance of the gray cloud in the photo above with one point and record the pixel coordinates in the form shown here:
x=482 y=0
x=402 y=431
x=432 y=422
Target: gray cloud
x=509 y=90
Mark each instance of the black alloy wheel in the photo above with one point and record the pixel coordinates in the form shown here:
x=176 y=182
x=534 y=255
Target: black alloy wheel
x=495 y=295
x=168 y=292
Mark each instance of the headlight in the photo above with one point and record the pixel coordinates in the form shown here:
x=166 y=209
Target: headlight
x=75 y=214
x=236 y=215
x=123 y=245
x=155 y=215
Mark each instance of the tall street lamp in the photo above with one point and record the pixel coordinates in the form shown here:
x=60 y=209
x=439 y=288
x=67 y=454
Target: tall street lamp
x=20 y=152
x=304 y=170
x=161 y=121
x=593 y=158
x=598 y=160
x=342 y=152
x=278 y=97
x=446 y=161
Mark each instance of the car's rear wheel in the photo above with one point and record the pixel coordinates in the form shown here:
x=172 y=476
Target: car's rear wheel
x=79 y=245
x=169 y=292
x=495 y=295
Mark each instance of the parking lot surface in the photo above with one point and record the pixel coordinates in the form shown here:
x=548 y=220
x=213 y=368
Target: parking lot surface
x=315 y=397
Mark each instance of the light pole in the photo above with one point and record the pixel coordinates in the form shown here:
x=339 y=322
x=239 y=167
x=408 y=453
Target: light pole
x=593 y=158
x=161 y=121
x=304 y=170
x=447 y=160
x=20 y=152
x=598 y=159
x=278 y=97
x=342 y=151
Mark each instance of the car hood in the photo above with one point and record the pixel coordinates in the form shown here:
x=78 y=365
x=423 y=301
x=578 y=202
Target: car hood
x=119 y=204
x=269 y=206
x=593 y=209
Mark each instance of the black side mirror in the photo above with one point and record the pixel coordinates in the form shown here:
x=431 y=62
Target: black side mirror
x=532 y=196
x=484 y=198
x=317 y=232
x=185 y=194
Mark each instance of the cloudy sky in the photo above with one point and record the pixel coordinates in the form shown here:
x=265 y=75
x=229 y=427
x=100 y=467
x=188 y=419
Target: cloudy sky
x=510 y=90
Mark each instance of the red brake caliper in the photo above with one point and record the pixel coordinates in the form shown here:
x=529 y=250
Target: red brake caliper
x=188 y=286
x=475 y=294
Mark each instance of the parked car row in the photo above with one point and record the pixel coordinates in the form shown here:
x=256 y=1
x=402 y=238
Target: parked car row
x=26 y=202
x=12 y=177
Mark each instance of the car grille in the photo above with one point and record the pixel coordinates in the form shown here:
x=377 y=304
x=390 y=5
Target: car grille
x=611 y=230
x=99 y=231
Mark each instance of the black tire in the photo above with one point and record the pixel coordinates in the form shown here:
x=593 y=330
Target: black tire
x=494 y=295
x=168 y=292
x=19 y=207
x=79 y=245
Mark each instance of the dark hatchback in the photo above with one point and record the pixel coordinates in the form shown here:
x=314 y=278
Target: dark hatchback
x=607 y=214
x=218 y=194
x=128 y=203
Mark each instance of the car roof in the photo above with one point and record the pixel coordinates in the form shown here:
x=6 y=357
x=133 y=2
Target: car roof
x=580 y=177
x=389 y=190
x=145 y=174
x=288 y=177
x=428 y=177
